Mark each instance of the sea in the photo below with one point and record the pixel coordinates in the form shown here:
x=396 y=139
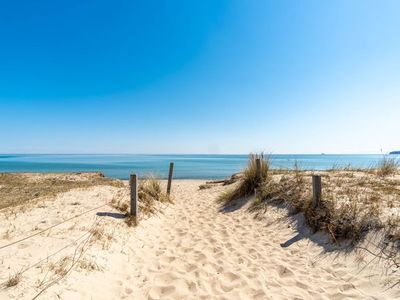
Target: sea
x=188 y=166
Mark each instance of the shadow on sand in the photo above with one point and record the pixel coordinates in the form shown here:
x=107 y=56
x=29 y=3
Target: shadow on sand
x=298 y=222
x=235 y=205
x=111 y=215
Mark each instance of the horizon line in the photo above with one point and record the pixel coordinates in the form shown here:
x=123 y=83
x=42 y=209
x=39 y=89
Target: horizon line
x=153 y=154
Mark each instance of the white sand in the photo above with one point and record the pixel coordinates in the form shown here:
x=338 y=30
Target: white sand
x=192 y=251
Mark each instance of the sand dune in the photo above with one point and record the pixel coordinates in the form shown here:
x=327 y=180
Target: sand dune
x=191 y=251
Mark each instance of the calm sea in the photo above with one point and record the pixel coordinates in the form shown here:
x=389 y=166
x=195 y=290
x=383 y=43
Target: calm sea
x=186 y=166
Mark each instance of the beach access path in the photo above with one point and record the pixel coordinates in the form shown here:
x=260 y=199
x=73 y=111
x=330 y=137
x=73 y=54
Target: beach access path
x=190 y=250
x=201 y=252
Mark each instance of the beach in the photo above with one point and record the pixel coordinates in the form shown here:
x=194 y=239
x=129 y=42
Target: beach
x=191 y=249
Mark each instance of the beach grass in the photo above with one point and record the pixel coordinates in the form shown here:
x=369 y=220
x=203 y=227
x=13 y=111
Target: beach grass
x=149 y=192
x=20 y=188
x=249 y=180
x=387 y=166
x=354 y=201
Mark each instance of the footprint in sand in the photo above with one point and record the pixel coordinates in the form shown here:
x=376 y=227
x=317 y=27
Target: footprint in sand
x=284 y=272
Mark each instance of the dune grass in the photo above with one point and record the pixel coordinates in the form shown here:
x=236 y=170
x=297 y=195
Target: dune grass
x=20 y=188
x=249 y=181
x=346 y=211
x=149 y=193
x=387 y=166
x=351 y=205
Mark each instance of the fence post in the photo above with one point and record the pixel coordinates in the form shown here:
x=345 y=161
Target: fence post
x=134 y=195
x=171 y=172
x=258 y=167
x=317 y=190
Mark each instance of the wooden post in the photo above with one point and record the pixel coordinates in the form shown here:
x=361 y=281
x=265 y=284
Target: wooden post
x=258 y=167
x=171 y=172
x=317 y=190
x=134 y=195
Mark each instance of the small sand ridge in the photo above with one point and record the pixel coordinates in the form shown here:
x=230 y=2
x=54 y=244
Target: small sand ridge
x=199 y=252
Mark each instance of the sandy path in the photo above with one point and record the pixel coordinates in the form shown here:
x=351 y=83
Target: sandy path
x=201 y=253
x=191 y=251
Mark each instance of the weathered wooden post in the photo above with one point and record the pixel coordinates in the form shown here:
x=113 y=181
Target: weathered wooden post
x=317 y=190
x=258 y=167
x=134 y=195
x=171 y=172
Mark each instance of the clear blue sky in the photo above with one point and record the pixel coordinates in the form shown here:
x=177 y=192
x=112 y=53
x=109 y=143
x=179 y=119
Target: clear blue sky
x=199 y=76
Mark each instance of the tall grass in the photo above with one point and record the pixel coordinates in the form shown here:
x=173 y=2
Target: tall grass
x=387 y=166
x=250 y=180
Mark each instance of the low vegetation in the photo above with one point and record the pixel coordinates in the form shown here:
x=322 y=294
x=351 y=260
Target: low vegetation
x=387 y=166
x=149 y=192
x=12 y=280
x=17 y=189
x=205 y=186
x=354 y=202
x=249 y=181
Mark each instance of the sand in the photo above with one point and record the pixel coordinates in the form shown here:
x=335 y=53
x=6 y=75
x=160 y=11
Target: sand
x=191 y=251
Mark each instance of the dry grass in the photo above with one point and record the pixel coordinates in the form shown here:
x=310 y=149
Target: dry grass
x=17 y=189
x=149 y=193
x=97 y=233
x=345 y=211
x=354 y=202
x=60 y=268
x=393 y=231
x=13 y=280
x=249 y=181
x=205 y=186
x=131 y=221
x=89 y=265
x=387 y=166
x=290 y=190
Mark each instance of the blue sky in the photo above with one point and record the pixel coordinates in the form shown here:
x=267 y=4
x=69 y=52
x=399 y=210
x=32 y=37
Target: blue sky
x=199 y=76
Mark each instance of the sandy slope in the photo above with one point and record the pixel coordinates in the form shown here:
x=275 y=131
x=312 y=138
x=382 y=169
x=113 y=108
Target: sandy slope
x=192 y=251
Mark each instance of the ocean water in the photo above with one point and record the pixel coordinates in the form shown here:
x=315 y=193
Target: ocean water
x=186 y=166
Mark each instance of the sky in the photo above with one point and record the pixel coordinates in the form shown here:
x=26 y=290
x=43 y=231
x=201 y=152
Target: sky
x=209 y=76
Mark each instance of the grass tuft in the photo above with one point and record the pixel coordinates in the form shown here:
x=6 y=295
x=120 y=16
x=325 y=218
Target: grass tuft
x=350 y=206
x=149 y=193
x=249 y=181
x=387 y=166
x=349 y=220
x=131 y=221
x=13 y=280
x=205 y=186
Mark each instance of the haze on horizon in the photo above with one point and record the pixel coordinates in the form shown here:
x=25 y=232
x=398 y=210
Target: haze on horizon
x=199 y=77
